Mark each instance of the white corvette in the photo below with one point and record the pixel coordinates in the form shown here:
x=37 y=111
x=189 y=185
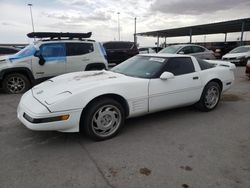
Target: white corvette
x=100 y=101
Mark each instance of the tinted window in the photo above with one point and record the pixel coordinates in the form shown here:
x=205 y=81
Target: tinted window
x=118 y=45
x=79 y=48
x=180 y=65
x=53 y=50
x=197 y=49
x=204 y=64
x=187 y=50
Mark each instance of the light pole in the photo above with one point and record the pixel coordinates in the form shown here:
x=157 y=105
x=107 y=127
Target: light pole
x=119 y=35
x=30 y=5
x=135 y=41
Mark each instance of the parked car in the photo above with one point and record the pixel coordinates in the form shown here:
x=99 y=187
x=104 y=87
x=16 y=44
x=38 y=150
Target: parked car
x=119 y=51
x=239 y=55
x=146 y=50
x=149 y=50
x=191 y=49
x=248 y=68
x=44 y=59
x=6 y=50
x=100 y=101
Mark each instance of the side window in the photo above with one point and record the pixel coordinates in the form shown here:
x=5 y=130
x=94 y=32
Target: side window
x=197 y=49
x=53 y=50
x=187 y=50
x=74 y=49
x=204 y=64
x=180 y=65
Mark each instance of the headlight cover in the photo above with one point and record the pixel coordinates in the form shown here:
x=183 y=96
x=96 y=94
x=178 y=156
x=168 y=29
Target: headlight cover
x=58 y=97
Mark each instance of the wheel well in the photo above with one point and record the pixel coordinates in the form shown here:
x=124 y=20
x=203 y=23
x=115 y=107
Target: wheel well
x=218 y=82
x=23 y=72
x=99 y=66
x=116 y=97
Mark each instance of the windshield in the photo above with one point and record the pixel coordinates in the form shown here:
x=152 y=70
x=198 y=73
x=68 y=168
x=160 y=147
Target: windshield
x=171 y=49
x=240 y=49
x=141 y=66
x=27 y=51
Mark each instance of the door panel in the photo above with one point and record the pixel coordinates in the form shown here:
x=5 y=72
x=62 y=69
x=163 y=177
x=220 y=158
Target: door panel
x=79 y=55
x=55 y=61
x=179 y=91
x=185 y=88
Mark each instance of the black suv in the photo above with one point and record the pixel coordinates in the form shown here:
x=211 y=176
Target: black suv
x=119 y=51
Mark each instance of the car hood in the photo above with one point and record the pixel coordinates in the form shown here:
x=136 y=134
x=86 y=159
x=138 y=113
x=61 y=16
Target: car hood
x=66 y=85
x=232 y=55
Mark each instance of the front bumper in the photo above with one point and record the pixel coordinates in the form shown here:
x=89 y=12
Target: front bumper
x=30 y=108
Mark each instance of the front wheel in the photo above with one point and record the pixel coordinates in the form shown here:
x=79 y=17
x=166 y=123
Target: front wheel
x=210 y=97
x=16 y=83
x=103 y=119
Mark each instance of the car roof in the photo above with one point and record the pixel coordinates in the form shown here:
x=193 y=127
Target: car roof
x=182 y=45
x=165 y=55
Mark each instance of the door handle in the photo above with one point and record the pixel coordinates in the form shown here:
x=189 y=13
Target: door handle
x=195 y=78
x=85 y=59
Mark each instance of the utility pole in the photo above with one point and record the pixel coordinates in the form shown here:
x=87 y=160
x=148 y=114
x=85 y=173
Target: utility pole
x=32 y=22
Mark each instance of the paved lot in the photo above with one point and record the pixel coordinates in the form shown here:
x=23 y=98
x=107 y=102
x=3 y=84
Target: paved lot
x=181 y=148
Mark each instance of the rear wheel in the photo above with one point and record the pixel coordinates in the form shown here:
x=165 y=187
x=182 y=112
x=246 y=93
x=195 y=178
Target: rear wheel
x=15 y=83
x=210 y=97
x=103 y=119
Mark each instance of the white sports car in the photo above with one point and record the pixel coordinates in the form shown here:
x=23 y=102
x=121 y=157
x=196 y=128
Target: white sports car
x=100 y=101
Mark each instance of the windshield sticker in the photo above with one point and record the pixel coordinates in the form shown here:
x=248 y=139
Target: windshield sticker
x=161 y=60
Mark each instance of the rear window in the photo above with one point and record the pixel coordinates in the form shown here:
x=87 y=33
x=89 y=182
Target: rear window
x=204 y=64
x=118 y=45
x=197 y=49
x=74 y=49
x=180 y=65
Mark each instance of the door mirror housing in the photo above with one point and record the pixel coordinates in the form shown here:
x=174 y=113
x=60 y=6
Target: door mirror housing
x=166 y=76
x=181 y=52
x=41 y=58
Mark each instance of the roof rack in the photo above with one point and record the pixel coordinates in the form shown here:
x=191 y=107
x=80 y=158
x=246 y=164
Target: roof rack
x=53 y=35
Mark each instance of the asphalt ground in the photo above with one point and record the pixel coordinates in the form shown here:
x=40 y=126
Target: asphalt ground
x=180 y=148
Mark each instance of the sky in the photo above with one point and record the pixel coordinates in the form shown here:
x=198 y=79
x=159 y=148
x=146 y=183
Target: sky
x=101 y=18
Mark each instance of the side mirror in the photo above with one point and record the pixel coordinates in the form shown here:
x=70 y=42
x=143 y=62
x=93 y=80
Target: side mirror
x=41 y=58
x=166 y=76
x=181 y=52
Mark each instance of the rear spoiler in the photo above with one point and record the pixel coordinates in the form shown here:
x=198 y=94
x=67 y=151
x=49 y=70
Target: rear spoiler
x=221 y=63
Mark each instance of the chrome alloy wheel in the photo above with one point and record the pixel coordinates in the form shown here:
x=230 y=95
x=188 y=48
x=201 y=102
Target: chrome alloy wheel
x=212 y=97
x=106 y=120
x=15 y=84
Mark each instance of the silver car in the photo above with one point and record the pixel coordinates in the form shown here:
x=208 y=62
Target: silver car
x=191 y=49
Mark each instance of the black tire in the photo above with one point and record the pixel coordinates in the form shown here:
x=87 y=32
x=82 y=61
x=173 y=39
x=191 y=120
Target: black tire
x=205 y=105
x=95 y=117
x=16 y=83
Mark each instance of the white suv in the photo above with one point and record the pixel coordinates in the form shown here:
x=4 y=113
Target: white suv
x=48 y=58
